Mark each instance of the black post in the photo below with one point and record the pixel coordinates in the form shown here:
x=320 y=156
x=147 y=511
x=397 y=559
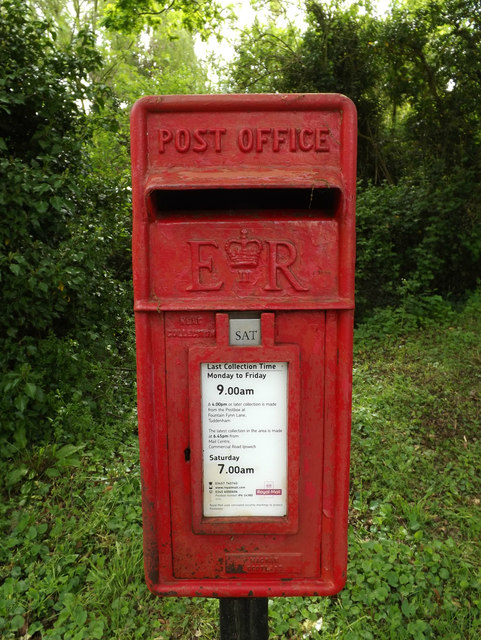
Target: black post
x=243 y=619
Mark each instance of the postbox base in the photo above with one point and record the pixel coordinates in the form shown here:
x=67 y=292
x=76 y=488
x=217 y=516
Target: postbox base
x=254 y=589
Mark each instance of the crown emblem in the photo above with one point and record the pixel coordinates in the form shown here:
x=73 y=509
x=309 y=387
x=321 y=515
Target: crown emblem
x=244 y=253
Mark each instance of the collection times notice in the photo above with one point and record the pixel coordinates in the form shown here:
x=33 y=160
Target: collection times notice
x=244 y=438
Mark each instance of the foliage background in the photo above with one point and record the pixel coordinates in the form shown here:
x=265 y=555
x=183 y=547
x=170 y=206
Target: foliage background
x=70 y=72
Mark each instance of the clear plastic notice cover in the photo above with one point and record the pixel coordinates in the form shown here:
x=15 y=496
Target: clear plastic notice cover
x=244 y=438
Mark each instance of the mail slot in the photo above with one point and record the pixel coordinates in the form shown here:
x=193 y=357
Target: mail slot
x=243 y=261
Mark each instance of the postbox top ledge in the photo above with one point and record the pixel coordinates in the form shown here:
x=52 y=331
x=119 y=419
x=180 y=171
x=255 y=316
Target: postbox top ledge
x=240 y=101
x=243 y=178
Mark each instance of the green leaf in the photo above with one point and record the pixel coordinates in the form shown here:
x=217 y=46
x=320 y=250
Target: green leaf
x=381 y=593
x=20 y=437
x=16 y=475
x=408 y=609
x=21 y=403
x=52 y=472
x=34 y=627
x=17 y=622
x=392 y=578
x=41 y=206
x=79 y=616
x=57 y=203
x=67 y=450
x=31 y=533
x=31 y=390
x=96 y=629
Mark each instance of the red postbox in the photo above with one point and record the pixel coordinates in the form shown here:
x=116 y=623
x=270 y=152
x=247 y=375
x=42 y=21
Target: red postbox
x=243 y=257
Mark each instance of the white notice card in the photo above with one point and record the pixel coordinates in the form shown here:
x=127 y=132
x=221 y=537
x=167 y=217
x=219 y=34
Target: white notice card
x=244 y=438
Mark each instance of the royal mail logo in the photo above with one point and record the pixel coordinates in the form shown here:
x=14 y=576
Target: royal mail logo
x=269 y=489
x=271 y=264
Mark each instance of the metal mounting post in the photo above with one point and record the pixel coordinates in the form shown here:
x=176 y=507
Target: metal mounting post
x=243 y=619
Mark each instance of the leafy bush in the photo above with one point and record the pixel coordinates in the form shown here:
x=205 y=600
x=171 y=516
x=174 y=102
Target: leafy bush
x=415 y=243
x=64 y=256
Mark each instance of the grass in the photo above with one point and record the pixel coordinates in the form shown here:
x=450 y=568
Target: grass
x=71 y=553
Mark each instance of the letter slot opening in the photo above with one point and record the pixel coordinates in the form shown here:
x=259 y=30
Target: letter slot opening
x=285 y=202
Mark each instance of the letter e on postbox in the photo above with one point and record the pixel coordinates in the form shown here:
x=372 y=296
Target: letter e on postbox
x=243 y=262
